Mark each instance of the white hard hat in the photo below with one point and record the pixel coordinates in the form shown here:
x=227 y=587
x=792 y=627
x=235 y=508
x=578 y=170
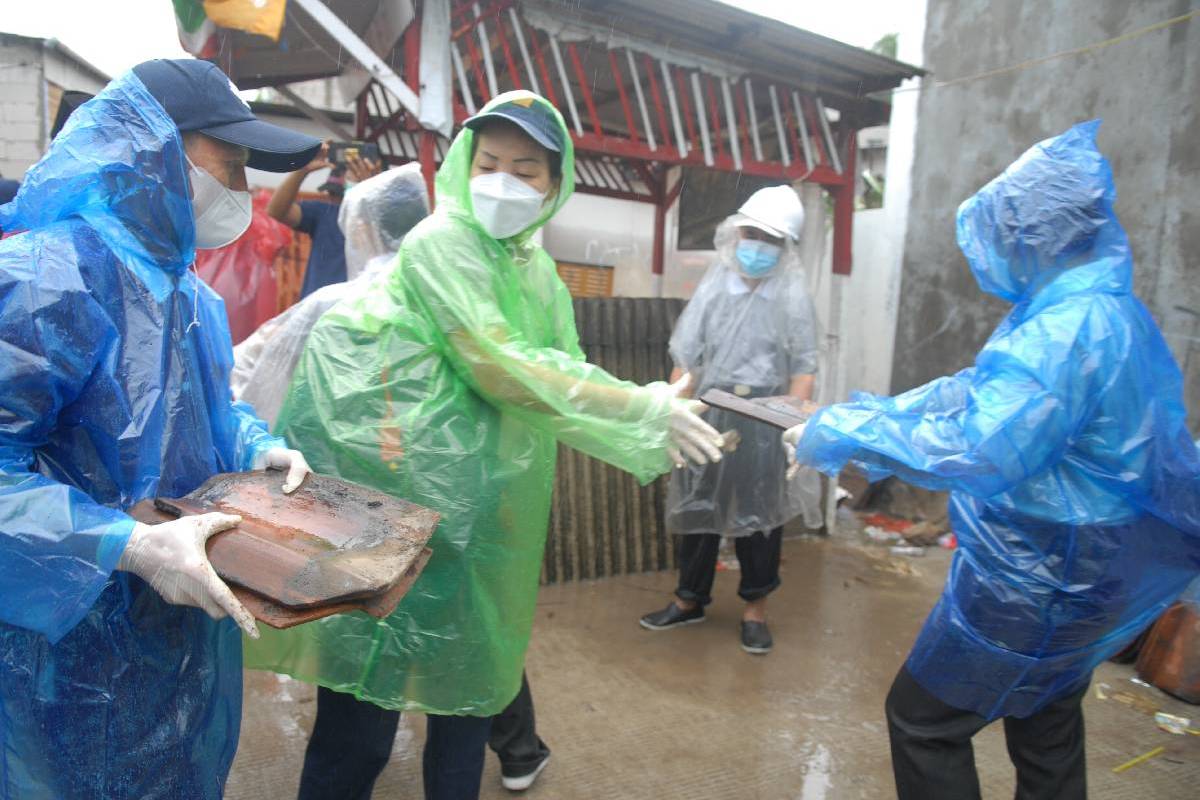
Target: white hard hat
x=775 y=210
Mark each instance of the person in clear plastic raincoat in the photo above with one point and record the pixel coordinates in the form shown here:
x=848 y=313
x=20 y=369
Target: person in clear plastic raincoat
x=1074 y=483
x=448 y=382
x=119 y=677
x=750 y=330
x=374 y=216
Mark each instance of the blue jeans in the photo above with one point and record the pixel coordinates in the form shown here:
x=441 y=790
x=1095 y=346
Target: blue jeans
x=352 y=740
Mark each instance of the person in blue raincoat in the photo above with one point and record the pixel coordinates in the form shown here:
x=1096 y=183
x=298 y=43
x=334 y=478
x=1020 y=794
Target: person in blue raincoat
x=1074 y=484
x=119 y=677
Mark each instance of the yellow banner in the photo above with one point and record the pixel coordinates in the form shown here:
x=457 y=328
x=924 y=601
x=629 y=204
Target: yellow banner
x=264 y=17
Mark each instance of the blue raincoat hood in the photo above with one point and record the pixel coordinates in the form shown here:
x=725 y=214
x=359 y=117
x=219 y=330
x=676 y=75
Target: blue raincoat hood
x=1048 y=212
x=119 y=165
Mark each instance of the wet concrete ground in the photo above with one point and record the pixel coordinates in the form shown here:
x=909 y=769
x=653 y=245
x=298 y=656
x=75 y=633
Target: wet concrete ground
x=686 y=714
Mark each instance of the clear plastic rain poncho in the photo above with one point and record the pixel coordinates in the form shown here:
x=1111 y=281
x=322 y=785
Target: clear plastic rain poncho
x=447 y=383
x=749 y=338
x=374 y=217
x=114 y=388
x=1075 y=488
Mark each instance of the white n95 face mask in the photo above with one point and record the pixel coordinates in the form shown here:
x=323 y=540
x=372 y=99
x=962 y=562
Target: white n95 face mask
x=222 y=214
x=504 y=204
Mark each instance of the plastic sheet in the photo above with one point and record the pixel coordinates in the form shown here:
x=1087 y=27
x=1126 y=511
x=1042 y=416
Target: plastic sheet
x=1074 y=482
x=750 y=340
x=374 y=217
x=243 y=272
x=447 y=383
x=113 y=388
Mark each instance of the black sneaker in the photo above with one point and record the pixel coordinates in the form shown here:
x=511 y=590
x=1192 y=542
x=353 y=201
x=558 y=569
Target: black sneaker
x=671 y=617
x=756 y=638
x=519 y=783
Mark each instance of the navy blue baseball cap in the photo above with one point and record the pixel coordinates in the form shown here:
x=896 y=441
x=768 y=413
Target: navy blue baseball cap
x=528 y=115
x=198 y=96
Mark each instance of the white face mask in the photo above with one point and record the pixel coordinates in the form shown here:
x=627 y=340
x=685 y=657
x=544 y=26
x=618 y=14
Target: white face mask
x=504 y=204
x=222 y=214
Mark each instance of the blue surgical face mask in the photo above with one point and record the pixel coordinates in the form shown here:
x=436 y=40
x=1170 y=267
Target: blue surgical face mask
x=756 y=257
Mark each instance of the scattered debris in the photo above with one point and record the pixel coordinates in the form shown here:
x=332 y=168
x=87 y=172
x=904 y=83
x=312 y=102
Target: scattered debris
x=859 y=488
x=906 y=550
x=1137 y=702
x=948 y=541
x=877 y=534
x=895 y=566
x=1172 y=723
x=900 y=499
x=1133 y=762
x=887 y=523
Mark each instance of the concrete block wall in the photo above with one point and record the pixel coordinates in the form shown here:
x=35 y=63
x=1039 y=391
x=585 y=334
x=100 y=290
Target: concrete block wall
x=25 y=66
x=20 y=107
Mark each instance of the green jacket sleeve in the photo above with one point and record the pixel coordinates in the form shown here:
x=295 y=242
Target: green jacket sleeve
x=485 y=313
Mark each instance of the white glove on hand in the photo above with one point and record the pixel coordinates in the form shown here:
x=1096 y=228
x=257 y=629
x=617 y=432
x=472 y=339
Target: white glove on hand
x=791 y=438
x=283 y=458
x=171 y=558
x=691 y=436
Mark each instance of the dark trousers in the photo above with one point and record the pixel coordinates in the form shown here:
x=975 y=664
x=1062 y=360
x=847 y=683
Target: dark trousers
x=514 y=737
x=933 y=759
x=757 y=554
x=352 y=740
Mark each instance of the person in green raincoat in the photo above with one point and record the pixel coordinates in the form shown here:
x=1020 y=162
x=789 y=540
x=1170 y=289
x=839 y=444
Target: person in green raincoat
x=448 y=382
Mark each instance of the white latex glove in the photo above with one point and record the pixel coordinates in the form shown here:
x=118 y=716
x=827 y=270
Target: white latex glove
x=171 y=558
x=791 y=438
x=283 y=458
x=691 y=437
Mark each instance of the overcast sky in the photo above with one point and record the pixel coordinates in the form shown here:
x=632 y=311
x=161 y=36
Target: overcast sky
x=116 y=35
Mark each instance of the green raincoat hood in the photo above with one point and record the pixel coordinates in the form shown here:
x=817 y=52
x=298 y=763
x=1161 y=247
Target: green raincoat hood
x=452 y=187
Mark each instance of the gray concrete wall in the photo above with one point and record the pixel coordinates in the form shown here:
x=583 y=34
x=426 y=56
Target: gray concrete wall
x=1147 y=91
x=20 y=106
x=25 y=112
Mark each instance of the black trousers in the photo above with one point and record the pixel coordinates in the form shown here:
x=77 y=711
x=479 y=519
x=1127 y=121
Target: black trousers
x=351 y=743
x=758 y=556
x=933 y=759
x=514 y=737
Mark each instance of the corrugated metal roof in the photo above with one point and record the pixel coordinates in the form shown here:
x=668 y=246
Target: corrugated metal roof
x=752 y=42
x=746 y=41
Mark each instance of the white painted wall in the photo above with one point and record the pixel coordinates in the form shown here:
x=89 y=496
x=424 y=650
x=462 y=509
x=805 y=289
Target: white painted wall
x=889 y=243
x=620 y=233
x=865 y=344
